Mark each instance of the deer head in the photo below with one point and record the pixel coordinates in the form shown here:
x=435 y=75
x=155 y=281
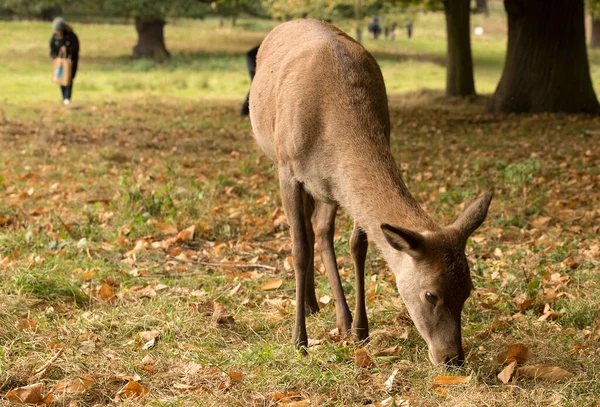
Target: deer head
x=433 y=278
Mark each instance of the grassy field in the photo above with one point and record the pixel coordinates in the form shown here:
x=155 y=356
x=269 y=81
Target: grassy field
x=102 y=276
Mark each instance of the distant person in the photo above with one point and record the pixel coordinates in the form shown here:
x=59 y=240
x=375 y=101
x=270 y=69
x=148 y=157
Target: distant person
x=374 y=28
x=394 y=31
x=64 y=37
x=409 y=30
x=251 y=64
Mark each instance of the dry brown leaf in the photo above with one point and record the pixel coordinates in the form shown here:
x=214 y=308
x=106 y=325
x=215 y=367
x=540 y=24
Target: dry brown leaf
x=185 y=235
x=518 y=352
x=31 y=394
x=569 y=262
x=541 y=222
x=271 y=284
x=132 y=390
x=236 y=377
x=165 y=228
x=149 y=335
x=235 y=290
x=393 y=401
x=362 y=359
x=76 y=386
x=324 y=300
x=496 y=324
x=507 y=372
x=544 y=372
x=450 y=380
x=106 y=292
x=28 y=324
x=392 y=351
x=150 y=338
x=186 y=387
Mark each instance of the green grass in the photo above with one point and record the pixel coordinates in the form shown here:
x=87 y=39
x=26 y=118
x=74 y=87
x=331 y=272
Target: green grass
x=148 y=143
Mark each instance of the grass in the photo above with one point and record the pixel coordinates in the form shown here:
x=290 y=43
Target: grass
x=81 y=188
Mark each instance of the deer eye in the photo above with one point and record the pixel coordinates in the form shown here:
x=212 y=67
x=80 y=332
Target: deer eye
x=431 y=298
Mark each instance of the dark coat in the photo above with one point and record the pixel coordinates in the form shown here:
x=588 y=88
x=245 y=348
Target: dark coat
x=70 y=41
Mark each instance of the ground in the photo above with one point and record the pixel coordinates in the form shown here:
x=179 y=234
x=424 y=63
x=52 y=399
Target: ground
x=142 y=240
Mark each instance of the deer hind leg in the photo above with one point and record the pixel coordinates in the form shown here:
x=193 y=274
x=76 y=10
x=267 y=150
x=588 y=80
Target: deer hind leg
x=323 y=221
x=310 y=296
x=292 y=197
x=358 y=247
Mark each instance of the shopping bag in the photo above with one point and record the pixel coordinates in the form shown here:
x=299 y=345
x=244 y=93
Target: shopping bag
x=61 y=69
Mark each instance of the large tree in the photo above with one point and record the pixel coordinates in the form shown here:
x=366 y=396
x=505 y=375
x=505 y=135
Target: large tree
x=459 y=68
x=150 y=18
x=546 y=68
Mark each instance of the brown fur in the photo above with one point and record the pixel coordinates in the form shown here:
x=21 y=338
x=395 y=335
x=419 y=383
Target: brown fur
x=319 y=109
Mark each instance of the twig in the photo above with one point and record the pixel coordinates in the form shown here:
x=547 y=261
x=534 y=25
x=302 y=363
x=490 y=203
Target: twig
x=243 y=266
x=46 y=365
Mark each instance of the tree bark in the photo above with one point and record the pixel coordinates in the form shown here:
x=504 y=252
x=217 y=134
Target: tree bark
x=459 y=69
x=546 y=68
x=481 y=6
x=151 y=40
x=595 y=40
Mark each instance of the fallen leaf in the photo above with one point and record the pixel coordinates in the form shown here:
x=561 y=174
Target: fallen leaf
x=235 y=289
x=76 y=386
x=450 y=380
x=165 y=228
x=31 y=394
x=271 y=284
x=362 y=360
x=507 y=372
x=324 y=300
x=185 y=235
x=106 y=292
x=148 y=335
x=544 y=372
x=151 y=337
x=393 y=402
x=132 y=390
x=392 y=351
x=541 y=222
x=236 y=377
x=518 y=352
x=569 y=262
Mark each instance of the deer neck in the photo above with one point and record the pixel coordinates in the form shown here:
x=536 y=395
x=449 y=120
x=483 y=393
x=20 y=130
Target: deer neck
x=376 y=194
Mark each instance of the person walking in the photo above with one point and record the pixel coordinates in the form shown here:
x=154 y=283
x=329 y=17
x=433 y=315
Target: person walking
x=65 y=39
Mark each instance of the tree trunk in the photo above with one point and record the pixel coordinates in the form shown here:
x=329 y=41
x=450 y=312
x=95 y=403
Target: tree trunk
x=459 y=70
x=151 y=40
x=481 y=6
x=595 y=40
x=48 y=13
x=546 y=68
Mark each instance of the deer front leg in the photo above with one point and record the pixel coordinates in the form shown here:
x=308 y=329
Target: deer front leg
x=358 y=247
x=311 y=302
x=292 y=197
x=323 y=221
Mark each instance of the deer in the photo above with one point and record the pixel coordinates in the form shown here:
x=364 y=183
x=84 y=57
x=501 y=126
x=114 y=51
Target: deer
x=319 y=110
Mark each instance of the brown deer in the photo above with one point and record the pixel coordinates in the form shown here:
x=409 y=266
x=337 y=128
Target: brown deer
x=319 y=109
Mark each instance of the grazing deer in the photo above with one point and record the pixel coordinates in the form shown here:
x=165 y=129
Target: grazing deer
x=319 y=109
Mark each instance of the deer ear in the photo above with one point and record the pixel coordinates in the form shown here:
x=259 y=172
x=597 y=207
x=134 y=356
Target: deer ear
x=473 y=216
x=404 y=240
